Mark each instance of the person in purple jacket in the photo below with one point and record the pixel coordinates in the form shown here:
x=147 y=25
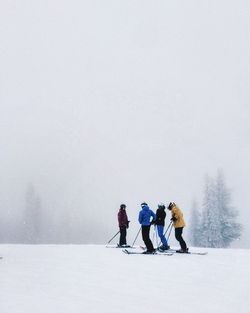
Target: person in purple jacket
x=123 y=225
x=145 y=220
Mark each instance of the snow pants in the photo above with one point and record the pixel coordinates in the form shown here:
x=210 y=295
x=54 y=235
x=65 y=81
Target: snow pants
x=178 y=236
x=145 y=237
x=123 y=234
x=160 y=229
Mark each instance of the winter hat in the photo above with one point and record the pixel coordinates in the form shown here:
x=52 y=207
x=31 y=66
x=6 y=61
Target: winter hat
x=161 y=206
x=123 y=206
x=170 y=206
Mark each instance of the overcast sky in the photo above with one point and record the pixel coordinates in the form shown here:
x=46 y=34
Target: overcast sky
x=104 y=102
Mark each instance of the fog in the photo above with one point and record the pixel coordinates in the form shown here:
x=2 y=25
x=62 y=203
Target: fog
x=110 y=102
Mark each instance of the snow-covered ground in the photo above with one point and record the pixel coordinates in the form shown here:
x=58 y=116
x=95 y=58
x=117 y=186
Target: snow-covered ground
x=92 y=278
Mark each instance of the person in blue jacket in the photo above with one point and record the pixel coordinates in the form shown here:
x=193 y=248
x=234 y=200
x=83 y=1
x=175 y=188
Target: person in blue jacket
x=145 y=220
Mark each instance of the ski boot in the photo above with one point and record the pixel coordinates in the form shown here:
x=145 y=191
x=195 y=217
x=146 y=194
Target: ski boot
x=149 y=252
x=163 y=248
x=182 y=251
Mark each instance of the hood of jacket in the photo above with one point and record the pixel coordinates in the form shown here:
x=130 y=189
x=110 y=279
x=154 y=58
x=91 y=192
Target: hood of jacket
x=145 y=208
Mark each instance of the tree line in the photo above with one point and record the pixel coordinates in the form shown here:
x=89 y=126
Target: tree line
x=214 y=223
x=37 y=224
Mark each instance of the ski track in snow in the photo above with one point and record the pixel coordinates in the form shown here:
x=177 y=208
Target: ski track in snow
x=93 y=279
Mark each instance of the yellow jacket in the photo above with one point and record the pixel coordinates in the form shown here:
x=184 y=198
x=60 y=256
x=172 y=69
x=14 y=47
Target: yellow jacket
x=177 y=214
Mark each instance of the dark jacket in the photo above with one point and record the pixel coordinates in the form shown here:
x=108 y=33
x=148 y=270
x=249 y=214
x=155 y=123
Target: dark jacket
x=160 y=217
x=122 y=218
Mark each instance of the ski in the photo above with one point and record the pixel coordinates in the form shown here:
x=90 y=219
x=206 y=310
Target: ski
x=176 y=251
x=197 y=253
x=119 y=247
x=189 y=252
x=137 y=252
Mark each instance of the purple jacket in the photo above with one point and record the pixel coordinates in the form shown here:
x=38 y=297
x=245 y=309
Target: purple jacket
x=122 y=218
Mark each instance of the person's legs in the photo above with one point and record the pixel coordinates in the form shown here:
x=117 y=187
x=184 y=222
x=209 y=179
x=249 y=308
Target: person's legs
x=146 y=238
x=123 y=233
x=160 y=229
x=178 y=236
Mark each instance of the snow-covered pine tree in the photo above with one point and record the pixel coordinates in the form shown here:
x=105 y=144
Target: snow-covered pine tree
x=32 y=216
x=218 y=227
x=195 y=225
x=229 y=228
x=210 y=222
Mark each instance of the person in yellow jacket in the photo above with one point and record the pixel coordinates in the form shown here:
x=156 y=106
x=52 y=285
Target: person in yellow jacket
x=179 y=224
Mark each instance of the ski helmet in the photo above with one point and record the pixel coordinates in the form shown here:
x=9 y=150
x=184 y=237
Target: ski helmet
x=123 y=206
x=143 y=204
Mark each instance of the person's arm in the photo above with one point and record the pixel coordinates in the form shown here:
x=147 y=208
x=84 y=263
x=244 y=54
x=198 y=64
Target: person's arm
x=119 y=218
x=174 y=215
x=140 y=217
x=153 y=215
x=158 y=217
x=126 y=218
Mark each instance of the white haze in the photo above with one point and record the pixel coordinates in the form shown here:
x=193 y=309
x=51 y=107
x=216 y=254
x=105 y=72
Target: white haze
x=104 y=102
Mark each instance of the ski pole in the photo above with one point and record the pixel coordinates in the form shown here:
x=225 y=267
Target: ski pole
x=170 y=231
x=168 y=228
x=113 y=237
x=156 y=236
x=153 y=235
x=136 y=238
x=170 y=224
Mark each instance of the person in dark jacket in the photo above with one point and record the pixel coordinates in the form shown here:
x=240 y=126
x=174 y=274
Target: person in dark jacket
x=145 y=221
x=123 y=224
x=160 y=223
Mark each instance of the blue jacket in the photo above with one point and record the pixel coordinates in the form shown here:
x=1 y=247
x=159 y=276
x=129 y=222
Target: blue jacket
x=145 y=215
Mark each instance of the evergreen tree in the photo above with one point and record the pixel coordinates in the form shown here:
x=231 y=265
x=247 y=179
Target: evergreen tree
x=230 y=229
x=195 y=225
x=210 y=236
x=32 y=216
x=218 y=223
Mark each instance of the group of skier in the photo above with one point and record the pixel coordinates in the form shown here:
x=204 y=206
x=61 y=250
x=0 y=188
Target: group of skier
x=147 y=218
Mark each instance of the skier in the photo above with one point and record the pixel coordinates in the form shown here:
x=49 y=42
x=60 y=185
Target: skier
x=160 y=223
x=123 y=225
x=179 y=224
x=145 y=220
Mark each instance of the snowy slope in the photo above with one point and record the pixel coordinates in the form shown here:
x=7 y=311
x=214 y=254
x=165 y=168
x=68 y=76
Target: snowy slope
x=91 y=278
